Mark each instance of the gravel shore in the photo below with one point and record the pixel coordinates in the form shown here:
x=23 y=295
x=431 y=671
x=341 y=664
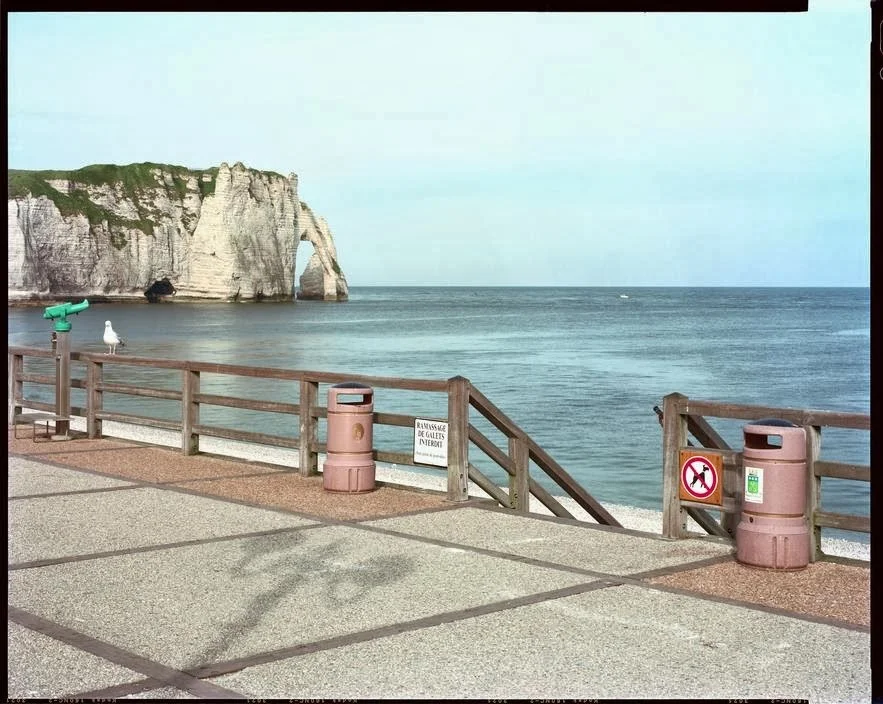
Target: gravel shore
x=631 y=517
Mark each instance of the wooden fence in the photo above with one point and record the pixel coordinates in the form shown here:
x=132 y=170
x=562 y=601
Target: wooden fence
x=681 y=416
x=462 y=396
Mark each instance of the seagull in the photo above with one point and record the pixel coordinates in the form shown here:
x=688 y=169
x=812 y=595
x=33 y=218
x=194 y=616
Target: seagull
x=111 y=339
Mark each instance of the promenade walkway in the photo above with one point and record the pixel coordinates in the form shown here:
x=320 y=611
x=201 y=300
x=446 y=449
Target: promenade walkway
x=134 y=571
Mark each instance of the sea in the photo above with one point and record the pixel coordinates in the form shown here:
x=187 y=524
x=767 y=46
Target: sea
x=579 y=369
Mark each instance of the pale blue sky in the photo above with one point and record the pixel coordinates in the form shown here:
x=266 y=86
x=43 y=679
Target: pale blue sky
x=589 y=149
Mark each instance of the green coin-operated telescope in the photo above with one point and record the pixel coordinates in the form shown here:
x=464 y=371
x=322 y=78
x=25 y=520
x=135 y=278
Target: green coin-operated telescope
x=60 y=312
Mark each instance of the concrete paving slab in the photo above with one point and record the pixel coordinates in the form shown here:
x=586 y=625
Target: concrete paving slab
x=26 y=477
x=62 y=526
x=620 y=642
x=41 y=667
x=217 y=601
x=572 y=545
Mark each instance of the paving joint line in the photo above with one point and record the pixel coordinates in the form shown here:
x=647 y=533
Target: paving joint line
x=138 y=445
x=47 y=562
x=180 y=489
x=408 y=514
x=61 y=450
x=144 y=482
x=561 y=520
x=74 y=468
x=157 y=671
x=229 y=666
x=488 y=552
x=243 y=502
x=754 y=606
x=683 y=567
x=252 y=475
x=72 y=492
x=576 y=522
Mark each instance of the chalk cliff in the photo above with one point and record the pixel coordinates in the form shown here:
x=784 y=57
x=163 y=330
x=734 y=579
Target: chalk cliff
x=118 y=232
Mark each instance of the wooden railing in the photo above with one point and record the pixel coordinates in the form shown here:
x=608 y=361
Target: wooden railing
x=461 y=396
x=523 y=449
x=681 y=416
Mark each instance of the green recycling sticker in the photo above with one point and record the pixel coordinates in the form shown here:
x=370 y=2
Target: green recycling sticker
x=754 y=485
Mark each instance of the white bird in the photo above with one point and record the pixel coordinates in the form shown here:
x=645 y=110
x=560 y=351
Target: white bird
x=111 y=339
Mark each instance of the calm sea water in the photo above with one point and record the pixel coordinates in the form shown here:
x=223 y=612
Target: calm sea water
x=579 y=369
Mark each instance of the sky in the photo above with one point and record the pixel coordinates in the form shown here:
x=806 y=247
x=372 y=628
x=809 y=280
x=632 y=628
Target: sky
x=491 y=149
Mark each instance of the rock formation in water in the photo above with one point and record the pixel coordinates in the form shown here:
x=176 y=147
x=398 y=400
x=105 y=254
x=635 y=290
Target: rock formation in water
x=157 y=231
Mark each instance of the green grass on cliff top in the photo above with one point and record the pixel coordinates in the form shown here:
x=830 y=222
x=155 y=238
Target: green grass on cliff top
x=133 y=177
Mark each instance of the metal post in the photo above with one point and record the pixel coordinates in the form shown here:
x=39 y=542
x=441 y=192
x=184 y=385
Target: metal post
x=63 y=384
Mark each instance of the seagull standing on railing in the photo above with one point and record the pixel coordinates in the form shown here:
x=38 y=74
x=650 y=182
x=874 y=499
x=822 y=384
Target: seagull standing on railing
x=111 y=339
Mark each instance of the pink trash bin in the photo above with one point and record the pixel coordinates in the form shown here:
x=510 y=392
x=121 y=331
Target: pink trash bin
x=773 y=531
x=349 y=464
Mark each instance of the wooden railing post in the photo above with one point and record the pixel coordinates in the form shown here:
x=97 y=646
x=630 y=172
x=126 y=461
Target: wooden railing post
x=308 y=457
x=189 y=411
x=734 y=488
x=94 y=397
x=16 y=365
x=813 y=489
x=519 y=483
x=674 y=437
x=458 y=438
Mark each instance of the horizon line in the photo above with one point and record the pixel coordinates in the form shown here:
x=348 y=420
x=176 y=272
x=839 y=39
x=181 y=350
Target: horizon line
x=617 y=286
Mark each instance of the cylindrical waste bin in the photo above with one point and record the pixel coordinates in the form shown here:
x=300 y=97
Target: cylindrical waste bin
x=349 y=464
x=773 y=531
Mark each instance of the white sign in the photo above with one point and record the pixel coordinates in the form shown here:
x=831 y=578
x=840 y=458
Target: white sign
x=754 y=485
x=431 y=442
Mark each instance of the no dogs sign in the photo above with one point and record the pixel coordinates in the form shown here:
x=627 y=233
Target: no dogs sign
x=701 y=477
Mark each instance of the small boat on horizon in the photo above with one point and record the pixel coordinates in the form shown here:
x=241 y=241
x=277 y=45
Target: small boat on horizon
x=622 y=295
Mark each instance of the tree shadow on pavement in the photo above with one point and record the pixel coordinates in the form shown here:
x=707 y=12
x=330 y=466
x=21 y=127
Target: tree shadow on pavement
x=283 y=565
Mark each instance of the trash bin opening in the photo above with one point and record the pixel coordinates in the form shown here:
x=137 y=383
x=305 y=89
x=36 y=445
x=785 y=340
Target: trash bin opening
x=754 y=441
x=353 y=399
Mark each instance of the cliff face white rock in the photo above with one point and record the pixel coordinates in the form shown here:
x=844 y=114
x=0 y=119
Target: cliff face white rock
x=219 y=234
x=315 y=281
